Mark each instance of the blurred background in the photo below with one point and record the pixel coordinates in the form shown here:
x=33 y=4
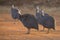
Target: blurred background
x=52 y=7
x=11 y=31
x=48 y=3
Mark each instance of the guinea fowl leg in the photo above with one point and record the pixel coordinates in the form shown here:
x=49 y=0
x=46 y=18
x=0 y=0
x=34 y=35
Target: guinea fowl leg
x=28 y=32
x=43 y=29
x=48 y=30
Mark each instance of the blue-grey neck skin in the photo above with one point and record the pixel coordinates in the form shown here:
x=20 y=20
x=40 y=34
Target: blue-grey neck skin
x=43 y=12
x=13 y=6
x=14 y=12
x=38 y=10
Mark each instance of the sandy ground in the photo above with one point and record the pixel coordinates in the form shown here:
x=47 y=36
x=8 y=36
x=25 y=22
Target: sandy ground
x=17 y=31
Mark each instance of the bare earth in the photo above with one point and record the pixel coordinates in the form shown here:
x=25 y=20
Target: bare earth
x=15 y=30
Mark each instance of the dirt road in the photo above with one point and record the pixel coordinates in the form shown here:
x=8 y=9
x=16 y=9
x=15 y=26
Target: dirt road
x=15 y=30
